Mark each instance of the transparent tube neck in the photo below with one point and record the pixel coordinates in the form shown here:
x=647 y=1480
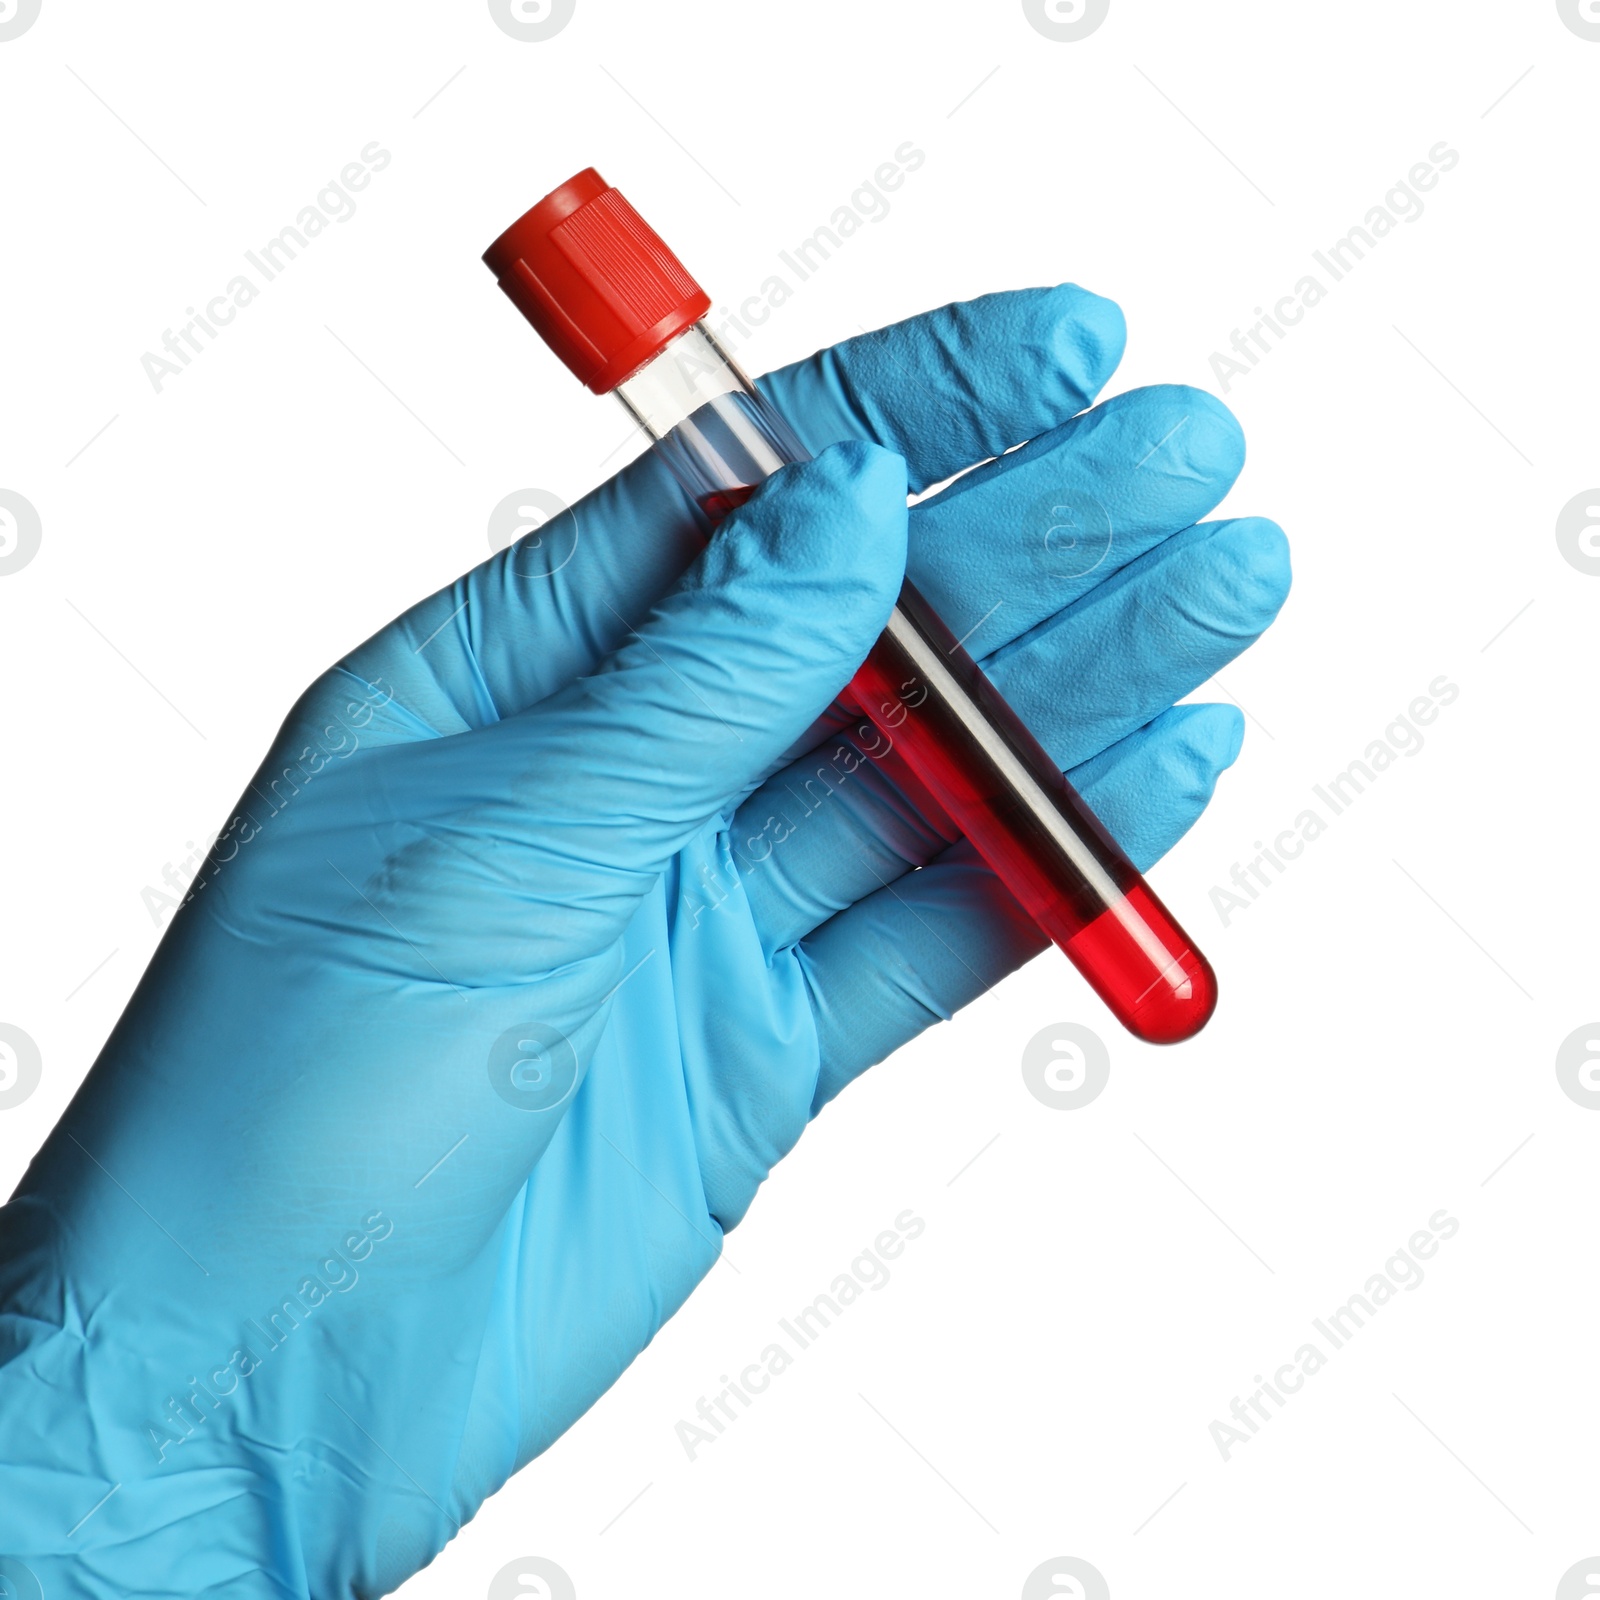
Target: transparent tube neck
x=690 y=371
x=714 y=428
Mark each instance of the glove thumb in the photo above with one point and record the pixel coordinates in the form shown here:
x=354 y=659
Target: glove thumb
x=623 y=767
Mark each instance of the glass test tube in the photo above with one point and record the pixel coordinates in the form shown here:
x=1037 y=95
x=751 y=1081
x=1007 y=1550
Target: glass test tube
x=954 y=731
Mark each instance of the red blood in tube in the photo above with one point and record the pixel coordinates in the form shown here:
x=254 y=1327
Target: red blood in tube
x=720 y=502
x=1161 y=998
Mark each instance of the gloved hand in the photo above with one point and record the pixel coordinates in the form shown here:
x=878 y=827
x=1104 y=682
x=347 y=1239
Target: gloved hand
x=538 y=939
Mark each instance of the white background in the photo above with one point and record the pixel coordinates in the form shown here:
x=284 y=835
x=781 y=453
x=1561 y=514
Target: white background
x=1097 y=1285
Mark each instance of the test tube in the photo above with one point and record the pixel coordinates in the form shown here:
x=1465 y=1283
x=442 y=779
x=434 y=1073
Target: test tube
x=618 y=307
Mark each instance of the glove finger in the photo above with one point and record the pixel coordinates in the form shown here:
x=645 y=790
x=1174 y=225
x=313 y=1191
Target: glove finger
x=953 y=387
x=1082 y=681
x=1017 y=540
x=915 y=952
x=1151 y=635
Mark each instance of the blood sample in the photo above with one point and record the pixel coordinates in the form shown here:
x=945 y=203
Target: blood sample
x=615 y=304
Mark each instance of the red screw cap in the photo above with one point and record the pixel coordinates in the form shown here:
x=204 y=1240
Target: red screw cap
x=595 y=280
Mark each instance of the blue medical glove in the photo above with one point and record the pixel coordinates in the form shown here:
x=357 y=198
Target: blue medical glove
x=557 y=910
